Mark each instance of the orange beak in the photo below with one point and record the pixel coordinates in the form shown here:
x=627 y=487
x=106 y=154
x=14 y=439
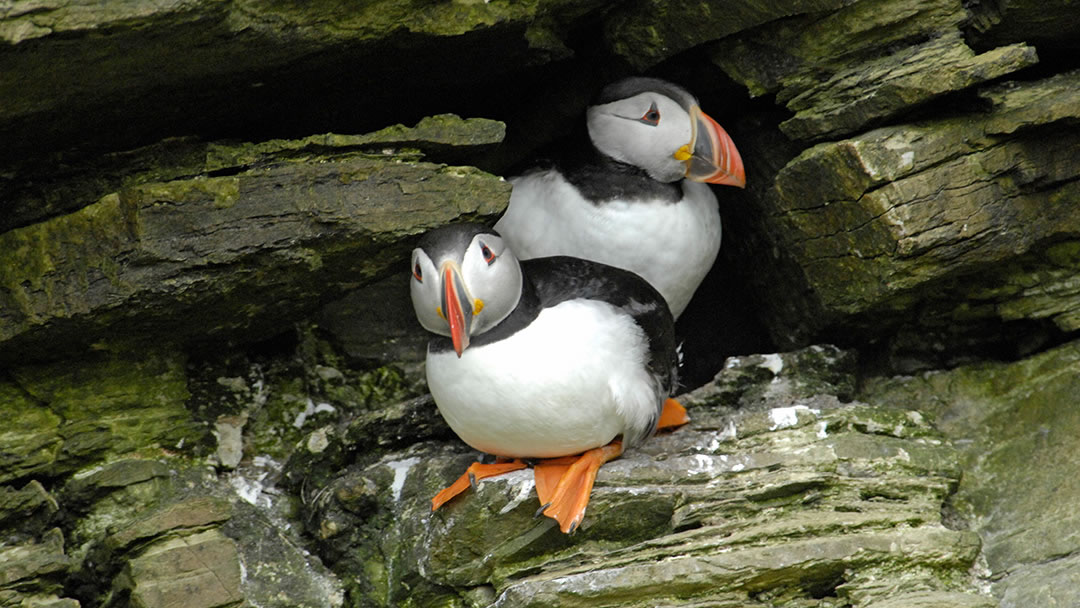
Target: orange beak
x=711 y=156
x=457 y=307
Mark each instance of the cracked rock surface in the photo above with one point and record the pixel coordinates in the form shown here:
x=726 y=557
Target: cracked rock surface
x=212 y=380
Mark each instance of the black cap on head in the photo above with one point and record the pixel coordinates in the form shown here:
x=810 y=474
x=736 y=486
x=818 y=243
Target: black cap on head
x=453 y=237
x=628 y=87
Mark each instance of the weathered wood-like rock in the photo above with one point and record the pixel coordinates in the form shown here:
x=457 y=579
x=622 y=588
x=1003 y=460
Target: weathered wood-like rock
x=352 y=319
x=17 y=506
x=130 y=73
x=1013 y=424
x=195 y=415
x=789 y=499
x=858 y=65
x=103 y=407
x=175 y=555
x=200 y=570
x=165 y=533
x=33 y=572
x=646 y=33
x=29 y=440
x=1050 y=24
x=967 y=218
x=260 y=235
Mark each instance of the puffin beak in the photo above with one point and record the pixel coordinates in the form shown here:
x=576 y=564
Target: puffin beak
x=711 y=156
x=457 y=306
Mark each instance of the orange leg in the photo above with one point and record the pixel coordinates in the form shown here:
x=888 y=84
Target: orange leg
x=475 y=471
x=571 y=495
x=673 y=415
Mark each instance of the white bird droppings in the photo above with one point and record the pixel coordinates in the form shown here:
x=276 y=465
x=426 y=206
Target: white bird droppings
x=701 y=464
x=773 y=363
x=784 y=417
x=822 y=433
x=401 y=471
x=524 y=490
x=730 y=433
x=907 y=159
x=311 y=409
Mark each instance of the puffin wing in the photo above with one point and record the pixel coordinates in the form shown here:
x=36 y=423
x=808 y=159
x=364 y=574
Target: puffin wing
x=561 y=278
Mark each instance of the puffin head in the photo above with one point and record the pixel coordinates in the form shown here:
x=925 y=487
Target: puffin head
x=658 y=126
x=464 y=281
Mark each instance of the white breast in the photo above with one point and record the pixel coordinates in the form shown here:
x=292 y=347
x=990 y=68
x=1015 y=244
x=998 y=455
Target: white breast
x=572 y=380
x=671 y=245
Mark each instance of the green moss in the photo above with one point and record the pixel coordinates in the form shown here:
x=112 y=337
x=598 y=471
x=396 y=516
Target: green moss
x=29 y=438
x=1065 y=254
x=49 y=265
x=432 y=133
x=105 y=509
x=223 y=191
x=1014 y=425
x=115 y=404
x=283 y=399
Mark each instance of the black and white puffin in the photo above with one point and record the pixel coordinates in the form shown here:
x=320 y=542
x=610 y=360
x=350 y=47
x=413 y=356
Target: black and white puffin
x=636 y=195
x=555 y=358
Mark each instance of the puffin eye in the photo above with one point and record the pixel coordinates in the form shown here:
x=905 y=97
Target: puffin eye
x=417 y=273
x=489 y=255
x=652 y=117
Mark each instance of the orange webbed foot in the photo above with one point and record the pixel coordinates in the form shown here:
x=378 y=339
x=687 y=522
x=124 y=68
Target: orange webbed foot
x=673 y=415
x=547 y=473
x=567 y=501
x=475 y=471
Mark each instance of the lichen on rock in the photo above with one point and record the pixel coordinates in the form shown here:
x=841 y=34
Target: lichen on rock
x=793 y=497
x=213 y=256
x=1009 y=428
x=212 y=379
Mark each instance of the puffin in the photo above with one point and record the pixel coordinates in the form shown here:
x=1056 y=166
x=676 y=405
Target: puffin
x=636 y=195
x=557 y=362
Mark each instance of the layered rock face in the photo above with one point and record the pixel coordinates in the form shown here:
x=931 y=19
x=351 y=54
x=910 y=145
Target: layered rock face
x=213 y=378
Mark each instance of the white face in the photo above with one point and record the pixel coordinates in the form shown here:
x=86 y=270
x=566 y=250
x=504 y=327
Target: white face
x=486 y=278
x=645 y=131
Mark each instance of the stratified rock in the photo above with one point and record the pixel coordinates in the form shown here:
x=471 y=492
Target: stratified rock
x=30 y=502
x=30 y=439
x=166 y=532
x=278 y=570
x=793 y=498
x=91 y=486
x=200 y=570
x=33 y=573
x=939 y=213
x=108 y=405
x=370 y=324
x=1049 y=24
x=234 y=248
x=193 y=513
x=863 y=63
x=133 y=72
x=1014 y=425
x=40 y=191
x=646 y=33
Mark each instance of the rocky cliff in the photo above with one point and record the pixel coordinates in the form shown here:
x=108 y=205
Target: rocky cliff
x=213 y=378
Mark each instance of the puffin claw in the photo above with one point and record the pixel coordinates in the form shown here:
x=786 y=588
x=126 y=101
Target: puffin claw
x=541 y=510
x=472 y=479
